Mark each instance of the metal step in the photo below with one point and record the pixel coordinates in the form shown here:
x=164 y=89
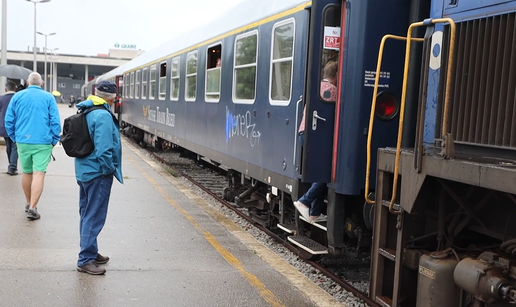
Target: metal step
x=288 y=228
x=387 y=253
x=395 y=206
x=308 y=245
x=321 y=225
x=384 y=301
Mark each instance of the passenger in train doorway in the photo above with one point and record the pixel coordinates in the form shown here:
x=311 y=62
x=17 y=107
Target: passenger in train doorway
x=311 y=203
x=94 y=174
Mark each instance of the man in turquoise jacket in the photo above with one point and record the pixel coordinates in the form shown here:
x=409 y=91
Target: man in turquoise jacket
x=95 y=173
x=32 y=121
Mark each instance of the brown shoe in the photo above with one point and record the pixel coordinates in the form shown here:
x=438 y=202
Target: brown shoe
x=91 y=268
x=101 y=259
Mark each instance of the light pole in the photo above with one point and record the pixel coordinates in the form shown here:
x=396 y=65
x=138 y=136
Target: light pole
x=46 y=35
x=52 y=54
x=35 y=68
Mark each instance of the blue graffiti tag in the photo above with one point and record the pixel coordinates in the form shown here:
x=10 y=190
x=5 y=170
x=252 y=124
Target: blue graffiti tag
x=241 y=126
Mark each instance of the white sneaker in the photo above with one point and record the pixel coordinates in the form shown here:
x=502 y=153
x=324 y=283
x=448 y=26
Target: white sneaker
x=303 y=210
x=320 y=218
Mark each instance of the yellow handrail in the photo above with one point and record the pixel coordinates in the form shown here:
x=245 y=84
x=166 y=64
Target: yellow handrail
x=403 y=99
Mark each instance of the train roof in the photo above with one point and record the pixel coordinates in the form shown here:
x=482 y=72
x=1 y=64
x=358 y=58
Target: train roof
x=233 y=19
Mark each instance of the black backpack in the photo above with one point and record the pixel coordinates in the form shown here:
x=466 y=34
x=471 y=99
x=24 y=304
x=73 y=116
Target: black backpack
x=76 y=138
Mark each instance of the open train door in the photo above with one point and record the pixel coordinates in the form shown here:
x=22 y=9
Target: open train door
x=326 y=38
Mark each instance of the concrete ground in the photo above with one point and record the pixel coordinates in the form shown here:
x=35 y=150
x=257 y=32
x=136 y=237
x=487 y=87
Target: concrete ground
x=167 y=247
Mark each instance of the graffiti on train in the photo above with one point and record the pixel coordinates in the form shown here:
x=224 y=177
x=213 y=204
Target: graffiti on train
x=165 y=118
x=241 y=125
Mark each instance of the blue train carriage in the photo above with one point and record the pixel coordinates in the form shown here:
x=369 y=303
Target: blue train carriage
x=444 y=233
x=234 y=94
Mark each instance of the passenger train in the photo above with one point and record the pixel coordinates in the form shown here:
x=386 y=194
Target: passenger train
x=423 y=126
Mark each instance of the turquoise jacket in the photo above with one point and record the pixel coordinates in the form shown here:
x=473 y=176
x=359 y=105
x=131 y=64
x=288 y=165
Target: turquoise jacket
x=32 y=117
x=106 y=158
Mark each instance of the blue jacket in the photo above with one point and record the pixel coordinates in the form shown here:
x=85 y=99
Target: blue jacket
x=106 y=158
x=33 y=118
x=4 y=102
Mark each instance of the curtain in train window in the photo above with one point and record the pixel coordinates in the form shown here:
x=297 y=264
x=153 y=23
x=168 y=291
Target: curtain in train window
x=145 y=76
x=152 y=82
x=244 y=76
x=174 y=79
x=281 y=61
x=137 y=85
x=213 y=66
x=191 y=76
x=131 y=94
x=162 y=80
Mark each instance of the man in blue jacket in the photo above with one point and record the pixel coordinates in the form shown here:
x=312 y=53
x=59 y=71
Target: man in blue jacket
x=10 y=146
x=32 y=121
x=95 y=173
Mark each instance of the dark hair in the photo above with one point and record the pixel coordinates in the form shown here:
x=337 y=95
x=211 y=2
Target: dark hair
x=10 y=86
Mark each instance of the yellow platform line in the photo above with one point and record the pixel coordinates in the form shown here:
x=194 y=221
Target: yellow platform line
x=232 y=260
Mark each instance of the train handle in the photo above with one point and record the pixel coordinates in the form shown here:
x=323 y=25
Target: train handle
x=315 y=118
x=295 y=135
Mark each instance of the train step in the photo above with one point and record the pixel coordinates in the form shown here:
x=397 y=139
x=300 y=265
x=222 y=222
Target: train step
x=321 y=225
x=395 y=206
x=288 y=228
x=308 y=245
x=384 y=301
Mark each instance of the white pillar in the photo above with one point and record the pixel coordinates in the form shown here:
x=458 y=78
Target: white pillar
x=4 y=43
x=86 y=74
x=54 y=77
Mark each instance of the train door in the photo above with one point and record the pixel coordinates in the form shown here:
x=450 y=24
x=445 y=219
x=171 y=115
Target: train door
x=322 y=90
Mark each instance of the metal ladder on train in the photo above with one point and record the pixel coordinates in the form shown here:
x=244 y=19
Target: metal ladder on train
x=387 y=256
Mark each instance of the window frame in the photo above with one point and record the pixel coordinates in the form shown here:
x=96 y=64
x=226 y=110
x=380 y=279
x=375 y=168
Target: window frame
x=172 y=78
x=212 y=100
x=196 y=52
x=131 y=86
x=164 y=79
x=242 y=36
x=145 y=81
x=137 y=84
x=291 y=59
x=152 y=93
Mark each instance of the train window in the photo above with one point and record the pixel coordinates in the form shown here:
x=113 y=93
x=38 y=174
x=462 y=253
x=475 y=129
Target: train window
x=174 y=79
x=330 y=54
x=152 y=82
x=282 y=55
x=121 y=86
x=162 y=80
x=213 y=66
x=137 y=85
x=191 y=76
x=145 y=76
x=244 y=75
x=131 y=93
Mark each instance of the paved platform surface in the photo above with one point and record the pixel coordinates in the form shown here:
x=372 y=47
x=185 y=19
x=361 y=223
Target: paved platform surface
x=167 y=247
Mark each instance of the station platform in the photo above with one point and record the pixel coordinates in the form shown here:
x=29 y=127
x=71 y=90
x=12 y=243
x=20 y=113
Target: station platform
x=167 y=247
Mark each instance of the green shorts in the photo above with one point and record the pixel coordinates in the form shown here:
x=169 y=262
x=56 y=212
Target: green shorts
x=34 y=157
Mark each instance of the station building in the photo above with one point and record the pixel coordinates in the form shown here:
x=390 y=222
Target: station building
x=67 y=73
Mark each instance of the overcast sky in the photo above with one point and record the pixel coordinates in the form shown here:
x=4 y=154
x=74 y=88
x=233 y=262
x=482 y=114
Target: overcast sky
x=90 y=27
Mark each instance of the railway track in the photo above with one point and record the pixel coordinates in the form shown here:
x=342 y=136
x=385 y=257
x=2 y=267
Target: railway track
x=212 y=180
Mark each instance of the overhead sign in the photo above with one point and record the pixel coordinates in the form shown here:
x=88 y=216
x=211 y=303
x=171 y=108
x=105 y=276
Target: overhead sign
x=332 y=38
x=125 y=46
